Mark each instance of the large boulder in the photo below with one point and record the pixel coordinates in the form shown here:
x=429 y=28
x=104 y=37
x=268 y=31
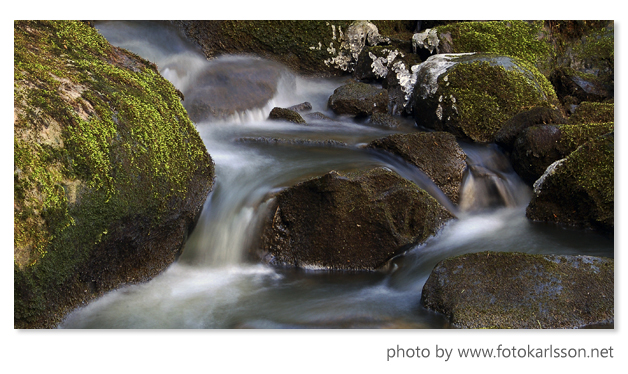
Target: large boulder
x=358 y=99
x=309 y=47
x=579 y=189
x=110 y=174
x=473 y=95
x=537 y=147
x=348 y=221
x=522 y=291
x=437 y=154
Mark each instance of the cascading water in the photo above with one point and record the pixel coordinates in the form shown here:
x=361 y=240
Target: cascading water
x=214 y=286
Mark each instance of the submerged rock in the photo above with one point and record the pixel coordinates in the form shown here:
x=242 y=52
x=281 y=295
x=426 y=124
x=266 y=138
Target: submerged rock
x=473 y=95
x=298 y=141
x=522 y=291
x=437 y=154
x=352 y=221
x=286 y=114
x=303 y=107
x=359 y=99
x=110 y=174
x=579 y=189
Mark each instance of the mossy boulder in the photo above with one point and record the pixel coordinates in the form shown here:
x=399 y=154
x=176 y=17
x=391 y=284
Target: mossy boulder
x=509 y=132
x=522 y=291
x=474 y=95
x=588 y=112
x=358 y=99
x=286 y=115
x=309 y=47
x=353 y=221
x=437 y=154
x=578 y=190
x=110 y=174
x=537 y=147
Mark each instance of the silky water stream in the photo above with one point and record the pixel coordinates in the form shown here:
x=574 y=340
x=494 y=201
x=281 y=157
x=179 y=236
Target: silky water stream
x=212 y=285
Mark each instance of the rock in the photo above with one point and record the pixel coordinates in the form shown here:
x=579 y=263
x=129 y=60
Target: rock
x=352 y=221
x=299 y=142
x=286 y=114
x=579 y=189
x=425 y=43
x=359 y=99
x=582 y=87
x=437 y=154
x=539 y=146
x=317 y=116
x=232 y=85
x=303 y=107
x=522 y=291
x=384 y=120
x=473 y=95
x=507 y=135
x=110 y=174
x=588 y=112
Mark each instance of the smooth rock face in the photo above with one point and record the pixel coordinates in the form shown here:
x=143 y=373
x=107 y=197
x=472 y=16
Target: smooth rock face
x=473 y=95
x=359 y=99
x=579 y=189
x=437 y=154
x=522 y=291
x=348 y=221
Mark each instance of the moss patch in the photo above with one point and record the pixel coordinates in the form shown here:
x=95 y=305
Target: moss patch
x=99 y=137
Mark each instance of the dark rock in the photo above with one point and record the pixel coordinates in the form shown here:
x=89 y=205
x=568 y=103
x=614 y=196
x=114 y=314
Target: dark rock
x=303 y=107
x=286 y=114
x=539 y=146
x=232 y=85
x=299 y=142
x=507 y=135
x=579 y=189
x=348 y=221
x=317 y=116
x=385 y=120
x=522 y=291
x=437 y=154
x=359 y=99
x=473 y=95
x=110 y=173
x=569 y=83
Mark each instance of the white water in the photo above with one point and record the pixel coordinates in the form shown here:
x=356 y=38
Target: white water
x=214 y=286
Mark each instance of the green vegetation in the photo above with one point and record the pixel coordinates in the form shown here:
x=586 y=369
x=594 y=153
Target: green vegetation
x=99 y=137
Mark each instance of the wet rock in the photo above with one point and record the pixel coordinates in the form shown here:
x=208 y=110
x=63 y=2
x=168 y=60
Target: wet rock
x=473 y=95
x=588 y=112
x=286 y=114
x=437 y=154
x=568 y=83
x=299 y=142
x=385 y=120
x=357 y=36
x=303 y=107
x=353 y=221
x=110 y=173
x=317 y=116
x=232 y=85
x=425 y=43
x=358 y=99
x=522 y=291
x=579 y=189
x=539 y=146
x=507 y=135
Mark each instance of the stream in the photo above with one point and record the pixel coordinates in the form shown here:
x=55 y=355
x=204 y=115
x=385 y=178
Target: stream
x=214 y=285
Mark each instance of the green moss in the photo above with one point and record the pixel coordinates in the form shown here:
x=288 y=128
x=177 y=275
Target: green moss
x=100 y=136
x=487 y=95
x=590 y=112
x=512 y=38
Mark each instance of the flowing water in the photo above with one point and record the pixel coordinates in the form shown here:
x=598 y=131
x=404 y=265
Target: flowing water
x=213 y=285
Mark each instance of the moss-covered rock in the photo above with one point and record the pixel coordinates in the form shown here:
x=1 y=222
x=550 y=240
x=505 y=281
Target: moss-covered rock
x=437 y=154
x=473 y=95
x=286 y=115
x=109 y=173
x=522 y=291
x=359 y=99
x=537 y=147
x=578 y=190
x=354 y=221
x=520 y=39
x=588 y=112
